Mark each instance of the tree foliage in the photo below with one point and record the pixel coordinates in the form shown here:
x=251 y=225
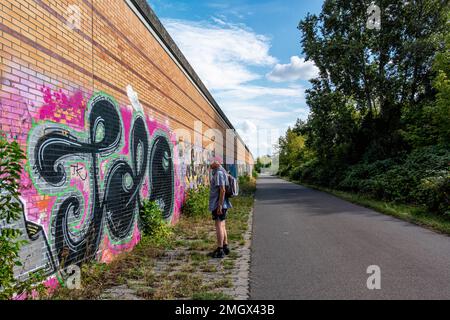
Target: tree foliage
x=380 y=107
x=10 y=210
x=262 y=163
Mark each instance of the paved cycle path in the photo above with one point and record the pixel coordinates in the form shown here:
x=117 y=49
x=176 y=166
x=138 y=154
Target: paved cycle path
x=311 y=245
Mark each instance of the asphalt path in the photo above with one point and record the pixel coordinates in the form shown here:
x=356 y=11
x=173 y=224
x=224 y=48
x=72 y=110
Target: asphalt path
x=311 y=245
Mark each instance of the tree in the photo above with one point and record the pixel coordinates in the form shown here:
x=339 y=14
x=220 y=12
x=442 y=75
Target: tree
x=380 y=107
x=258 y=165
x=442 y=85
x=378 y=72
x=291 y=150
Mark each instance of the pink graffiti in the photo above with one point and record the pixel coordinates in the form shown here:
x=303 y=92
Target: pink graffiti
x=110 y=250
x=145 y=191
x=60 y=108
x=38 y=207
x=17 y=116
x=127 y=118
x=180 y=192
x=154 y=126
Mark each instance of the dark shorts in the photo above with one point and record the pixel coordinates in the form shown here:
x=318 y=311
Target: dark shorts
x=222 y=217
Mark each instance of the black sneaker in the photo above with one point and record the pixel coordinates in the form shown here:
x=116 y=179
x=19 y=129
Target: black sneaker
x=218 y=254
x=226 y=250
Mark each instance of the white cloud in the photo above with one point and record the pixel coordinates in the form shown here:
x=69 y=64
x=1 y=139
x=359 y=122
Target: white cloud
x=221 y=53
x=297 y=69
x=249 y=92
x=228 y=57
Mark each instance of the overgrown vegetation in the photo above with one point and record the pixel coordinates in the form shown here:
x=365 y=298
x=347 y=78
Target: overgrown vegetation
x=157 y=236
x=247 y=185
x=98 y=277
x=197 y=202
x=180 y=268
x=11 y=156
x=380 y=108
x=153 y=226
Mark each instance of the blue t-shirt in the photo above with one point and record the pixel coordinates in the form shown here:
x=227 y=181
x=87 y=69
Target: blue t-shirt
x=219 y=179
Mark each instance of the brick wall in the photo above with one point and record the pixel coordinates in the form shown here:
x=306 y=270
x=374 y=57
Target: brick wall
x=109 y=114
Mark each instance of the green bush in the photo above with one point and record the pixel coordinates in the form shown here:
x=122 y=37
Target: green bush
x=434 y=192
x=284 y=171
x=296 y=173
x=197 y=202
x=418 y=178
x=313 y=172
x=153 y=226
x=247 y=185
x=244 y=179
x=11 y=156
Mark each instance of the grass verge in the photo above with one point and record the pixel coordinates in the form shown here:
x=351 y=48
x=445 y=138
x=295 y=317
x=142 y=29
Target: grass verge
x=178 y=268
x=413 y=214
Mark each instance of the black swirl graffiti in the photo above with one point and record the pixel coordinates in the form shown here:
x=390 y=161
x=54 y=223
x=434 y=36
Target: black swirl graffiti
x=55 y=146
x=118 y=203
x=161 y=170
x=123 y=184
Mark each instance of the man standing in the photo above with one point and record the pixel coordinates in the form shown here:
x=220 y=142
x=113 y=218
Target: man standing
x=219 y=205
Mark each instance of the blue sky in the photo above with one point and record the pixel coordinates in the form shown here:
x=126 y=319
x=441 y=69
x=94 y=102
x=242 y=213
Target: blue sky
x=249 y=56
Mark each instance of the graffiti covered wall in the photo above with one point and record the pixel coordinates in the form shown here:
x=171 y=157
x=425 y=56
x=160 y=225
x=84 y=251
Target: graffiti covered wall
x=95 y=100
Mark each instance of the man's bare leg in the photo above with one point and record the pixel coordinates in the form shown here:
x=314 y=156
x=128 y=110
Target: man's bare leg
x=219 y=232
x=225 y=234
